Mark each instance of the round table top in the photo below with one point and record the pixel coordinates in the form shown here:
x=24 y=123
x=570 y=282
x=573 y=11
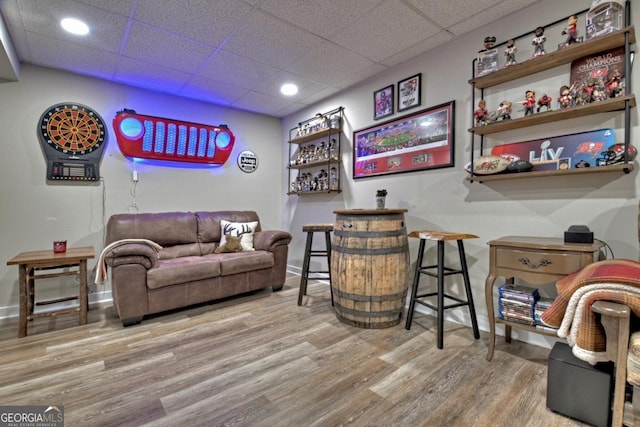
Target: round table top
x=369 y=211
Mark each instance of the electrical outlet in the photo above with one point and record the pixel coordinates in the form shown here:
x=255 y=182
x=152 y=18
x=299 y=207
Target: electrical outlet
x=134 y=176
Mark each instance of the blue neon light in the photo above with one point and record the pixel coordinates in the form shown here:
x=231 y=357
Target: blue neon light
x=159 y=146
x=211 y=148
x=131 y=128
x=182 y=139
x=171 y=138
x=147 y=140
x=202 y=143
x=223 y=140
x=193 y=141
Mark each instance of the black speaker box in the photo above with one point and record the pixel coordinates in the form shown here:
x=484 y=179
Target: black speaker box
x=578 y=234
x=577 y=389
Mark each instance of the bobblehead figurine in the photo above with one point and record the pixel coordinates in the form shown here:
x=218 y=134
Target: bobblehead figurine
x=538 y=42
x=571 y=31
x=510 y=53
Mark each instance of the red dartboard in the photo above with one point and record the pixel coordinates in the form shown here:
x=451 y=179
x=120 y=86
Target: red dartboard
x=72 y=129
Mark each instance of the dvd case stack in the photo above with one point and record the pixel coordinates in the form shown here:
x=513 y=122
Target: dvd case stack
x=516 y=303
x=541 y=306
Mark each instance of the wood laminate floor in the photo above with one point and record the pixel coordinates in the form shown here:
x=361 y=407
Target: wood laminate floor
x=261 y=360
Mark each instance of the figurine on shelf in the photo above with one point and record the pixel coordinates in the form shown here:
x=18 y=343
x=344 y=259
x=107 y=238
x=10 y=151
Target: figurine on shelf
x=333 y=178
x=538 y=42
x=529 y=102
x=487 y=61
x=589 y=91
x=614 y=84
x=489 y=41
x=571 y=31
x=504 y=111
x=481 y=113
x=565 y=98
x=510 y=53
x=544 y=101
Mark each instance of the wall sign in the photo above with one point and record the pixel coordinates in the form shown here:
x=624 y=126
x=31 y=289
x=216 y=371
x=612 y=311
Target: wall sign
x=72 y=138
x=155 y=138
x=247 y=161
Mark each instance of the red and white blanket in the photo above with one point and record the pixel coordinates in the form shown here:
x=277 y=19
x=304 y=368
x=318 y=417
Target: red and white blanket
x=616 y=280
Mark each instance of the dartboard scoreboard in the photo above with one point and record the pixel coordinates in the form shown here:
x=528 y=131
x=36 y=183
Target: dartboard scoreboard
x=73 y=138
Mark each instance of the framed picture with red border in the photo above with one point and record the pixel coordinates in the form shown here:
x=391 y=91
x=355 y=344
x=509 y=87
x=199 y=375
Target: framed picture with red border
x=417 y=141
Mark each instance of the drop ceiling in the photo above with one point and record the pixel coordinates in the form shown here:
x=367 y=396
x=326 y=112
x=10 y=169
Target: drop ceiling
x=238 y=53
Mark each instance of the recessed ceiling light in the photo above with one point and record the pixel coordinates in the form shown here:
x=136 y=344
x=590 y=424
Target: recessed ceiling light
x=75 y=26
x=289 y=89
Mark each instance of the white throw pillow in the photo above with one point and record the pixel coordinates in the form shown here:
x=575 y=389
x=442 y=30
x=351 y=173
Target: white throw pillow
x=244 y=230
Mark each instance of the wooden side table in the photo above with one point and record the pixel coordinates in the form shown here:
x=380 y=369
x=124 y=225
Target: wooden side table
x=74 y=259
x=537 y=261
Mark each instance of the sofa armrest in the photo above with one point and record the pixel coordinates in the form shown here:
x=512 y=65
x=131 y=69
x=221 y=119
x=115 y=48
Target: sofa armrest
x=132 y=253
x=266 y=240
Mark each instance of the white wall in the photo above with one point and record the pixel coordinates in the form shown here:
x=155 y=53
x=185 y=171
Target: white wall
x=34 y=212
x=442 y=199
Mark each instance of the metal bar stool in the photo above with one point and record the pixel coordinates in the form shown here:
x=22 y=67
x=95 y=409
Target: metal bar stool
x=441 y=271
x=309 y=252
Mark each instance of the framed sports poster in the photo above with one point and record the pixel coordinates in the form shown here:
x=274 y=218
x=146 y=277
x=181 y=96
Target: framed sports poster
x=418 y=141
x=383 y=102
x=409 y=92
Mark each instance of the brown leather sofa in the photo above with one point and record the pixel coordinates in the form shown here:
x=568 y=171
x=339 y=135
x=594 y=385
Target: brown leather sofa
x=186 y=271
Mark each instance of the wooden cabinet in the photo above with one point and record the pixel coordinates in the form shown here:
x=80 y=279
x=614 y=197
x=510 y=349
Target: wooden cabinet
x=537 y=261
x=314 y=154
x=620 y=38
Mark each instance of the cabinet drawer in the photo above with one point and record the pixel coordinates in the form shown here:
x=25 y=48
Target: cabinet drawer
x=538 y=262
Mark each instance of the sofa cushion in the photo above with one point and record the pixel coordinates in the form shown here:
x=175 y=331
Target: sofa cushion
x=178 y=251
x=166 y=229
x=241 y=262
x=244 y=230
x=182 y=270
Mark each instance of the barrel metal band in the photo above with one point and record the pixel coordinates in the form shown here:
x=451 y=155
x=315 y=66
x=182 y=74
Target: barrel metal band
x=370 y=314
x=389 y=233
x=369 y=298
x=365 y=251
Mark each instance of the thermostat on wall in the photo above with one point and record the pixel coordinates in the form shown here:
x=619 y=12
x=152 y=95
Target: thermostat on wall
x=247 y=161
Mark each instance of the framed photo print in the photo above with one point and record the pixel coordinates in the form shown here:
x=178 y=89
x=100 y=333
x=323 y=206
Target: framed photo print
x=418 y=141
x=409 y=92
x=383 y=102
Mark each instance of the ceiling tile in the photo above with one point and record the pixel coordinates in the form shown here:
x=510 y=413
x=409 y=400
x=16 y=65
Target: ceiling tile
x=271 y=41
x=71 y=57
x=213 y=91
x=162 y=48
x=121 y=7
x=202 y=20
x=447 y=13
x=260 y=103
x=227 y=67
x=149 y=76
x=418 y=48
x=328 y=63
x=391 y=27
x=489 y=15
x=325 y=19
x=106 y=29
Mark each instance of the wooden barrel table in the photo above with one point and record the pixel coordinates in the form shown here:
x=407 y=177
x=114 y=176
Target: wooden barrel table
x=369 y=267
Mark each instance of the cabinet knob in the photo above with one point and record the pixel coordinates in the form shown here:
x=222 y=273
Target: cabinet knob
x=543 y=263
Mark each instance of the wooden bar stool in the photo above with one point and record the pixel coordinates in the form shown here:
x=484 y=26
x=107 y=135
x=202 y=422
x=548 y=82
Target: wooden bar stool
x=309 y=252
x=441 y=271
